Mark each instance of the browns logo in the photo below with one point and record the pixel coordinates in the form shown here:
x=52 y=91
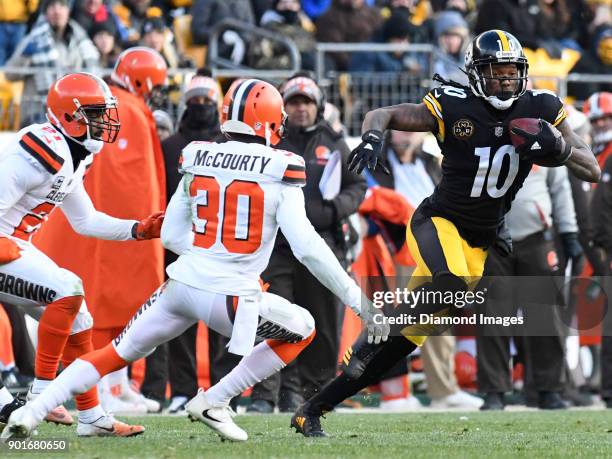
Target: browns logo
x=463 y=129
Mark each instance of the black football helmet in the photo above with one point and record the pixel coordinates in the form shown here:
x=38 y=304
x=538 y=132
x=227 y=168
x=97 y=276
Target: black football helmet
x=490 y=48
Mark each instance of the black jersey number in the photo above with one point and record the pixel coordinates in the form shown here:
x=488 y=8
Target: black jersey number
x=488 y=171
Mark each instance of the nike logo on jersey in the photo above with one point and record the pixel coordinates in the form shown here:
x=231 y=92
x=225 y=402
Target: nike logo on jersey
x=536 y=146
x=247 y=163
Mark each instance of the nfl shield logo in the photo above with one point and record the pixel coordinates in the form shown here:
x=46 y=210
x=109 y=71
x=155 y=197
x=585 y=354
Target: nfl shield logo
x=499 y=130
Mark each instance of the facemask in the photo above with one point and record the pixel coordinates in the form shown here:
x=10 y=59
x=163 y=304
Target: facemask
x=291 y=17
x=201 y=116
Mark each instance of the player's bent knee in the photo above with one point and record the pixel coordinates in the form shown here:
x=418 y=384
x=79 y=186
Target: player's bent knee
x=72 y=284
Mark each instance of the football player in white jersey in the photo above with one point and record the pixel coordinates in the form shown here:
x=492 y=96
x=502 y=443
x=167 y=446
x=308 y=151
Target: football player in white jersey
x=222 y=221
x=41 y=169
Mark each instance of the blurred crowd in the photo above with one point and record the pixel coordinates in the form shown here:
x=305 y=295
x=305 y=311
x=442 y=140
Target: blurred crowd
x=564 y=35
x=362 y=218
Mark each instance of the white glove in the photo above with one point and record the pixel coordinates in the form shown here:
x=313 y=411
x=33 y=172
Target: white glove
x=376 y=322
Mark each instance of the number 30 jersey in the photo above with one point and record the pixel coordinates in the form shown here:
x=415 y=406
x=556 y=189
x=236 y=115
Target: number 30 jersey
x=225 y=214
x=481 y=172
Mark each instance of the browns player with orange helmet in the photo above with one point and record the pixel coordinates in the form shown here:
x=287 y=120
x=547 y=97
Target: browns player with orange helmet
x=41 y=169
x=128 y=179
x=222 y=222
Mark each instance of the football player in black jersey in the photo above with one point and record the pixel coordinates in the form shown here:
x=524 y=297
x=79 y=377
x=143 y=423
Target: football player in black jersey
x=451 y=231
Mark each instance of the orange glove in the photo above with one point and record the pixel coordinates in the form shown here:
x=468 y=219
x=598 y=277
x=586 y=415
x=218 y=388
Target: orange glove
x=149 y=228
x=9 y=250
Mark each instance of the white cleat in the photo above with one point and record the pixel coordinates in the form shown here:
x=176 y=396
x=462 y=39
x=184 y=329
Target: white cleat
x=410 y=403
x=129 y=395
x=112 y=404
x=218 y=419
x=108 y=426
x=21 y=424
x=458 y=400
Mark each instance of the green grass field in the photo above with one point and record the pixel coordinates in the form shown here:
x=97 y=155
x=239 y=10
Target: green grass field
x=380 y=436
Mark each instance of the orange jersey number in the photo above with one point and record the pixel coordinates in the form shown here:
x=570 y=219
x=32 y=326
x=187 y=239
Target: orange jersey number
x=33 y=220
x=207 y=189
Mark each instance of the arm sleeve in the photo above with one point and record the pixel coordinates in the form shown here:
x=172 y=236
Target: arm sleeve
x=86 y=220
x=17 y=176
x=310 y=249
x=176 y=233
x=563 y=212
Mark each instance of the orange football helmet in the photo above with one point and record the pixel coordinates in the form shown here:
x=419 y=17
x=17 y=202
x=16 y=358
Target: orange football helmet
x=140 y=70
x=598 y=105
x=254 y=107
x=82 y=107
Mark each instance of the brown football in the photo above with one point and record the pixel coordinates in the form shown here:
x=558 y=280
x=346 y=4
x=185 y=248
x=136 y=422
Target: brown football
x=530 y=125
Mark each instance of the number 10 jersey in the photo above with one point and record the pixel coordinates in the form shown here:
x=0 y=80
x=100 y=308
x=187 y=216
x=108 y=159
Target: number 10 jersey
x=481 y=172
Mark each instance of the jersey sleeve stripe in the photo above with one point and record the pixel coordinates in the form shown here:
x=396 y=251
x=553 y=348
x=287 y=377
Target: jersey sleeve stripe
x=295 y=181
x=295 y=174
x=431 y=108
x=435 y=105
x=560 y=117
x=43 y=154
x=295 y=167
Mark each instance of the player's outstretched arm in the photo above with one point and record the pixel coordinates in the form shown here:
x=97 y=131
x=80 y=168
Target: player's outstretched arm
x=176 y=233
x=403 y=117
x=86 y=220
x=582 y=162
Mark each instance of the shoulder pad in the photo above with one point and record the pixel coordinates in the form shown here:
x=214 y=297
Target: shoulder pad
x=550 y=105
x=38 y=142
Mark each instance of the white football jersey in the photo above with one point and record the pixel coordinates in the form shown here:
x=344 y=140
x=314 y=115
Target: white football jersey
x=53 y=177
x=233 y=191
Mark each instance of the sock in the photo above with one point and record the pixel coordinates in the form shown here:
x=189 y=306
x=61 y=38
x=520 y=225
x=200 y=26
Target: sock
x=53 y=331
x=91 y=415
x=343 y=386
x=116 y=379
x=262 y=362
x=5 y=397
x=39 y=385
x=79 y=344
x=76 y=379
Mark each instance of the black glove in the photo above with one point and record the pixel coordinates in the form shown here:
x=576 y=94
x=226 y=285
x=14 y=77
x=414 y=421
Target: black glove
x=367 y=153
x=547 y=144
x=571 y=246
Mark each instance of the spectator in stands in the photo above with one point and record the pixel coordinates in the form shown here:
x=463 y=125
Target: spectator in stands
x=132 y=15
x=157 y=36
x=597 y=59
x=452 y=36
x=544 y=198
x=417 y=13
x=176 y=361
x=287 y=19
x=207 y=13
x=89 y=13
x=55 y=45
x=395 y=30
x=518 y=17
x=105 y=40
x=14 y=16
x=347 y=21
x=311 y=137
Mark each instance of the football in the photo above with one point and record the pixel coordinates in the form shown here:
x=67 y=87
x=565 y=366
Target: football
x=530 y=125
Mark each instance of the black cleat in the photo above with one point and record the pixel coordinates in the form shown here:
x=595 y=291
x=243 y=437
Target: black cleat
x=7 y=409
x=307 y=424
x=551 y=401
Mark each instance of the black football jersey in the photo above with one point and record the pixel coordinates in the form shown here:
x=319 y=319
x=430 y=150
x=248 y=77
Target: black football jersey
x=481 y=172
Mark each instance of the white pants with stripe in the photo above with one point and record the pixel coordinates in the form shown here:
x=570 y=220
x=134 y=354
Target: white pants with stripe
x=34 y=280
x=175 y=306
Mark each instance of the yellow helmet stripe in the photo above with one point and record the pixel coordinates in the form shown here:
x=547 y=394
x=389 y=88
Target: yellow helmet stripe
x=504 y=40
